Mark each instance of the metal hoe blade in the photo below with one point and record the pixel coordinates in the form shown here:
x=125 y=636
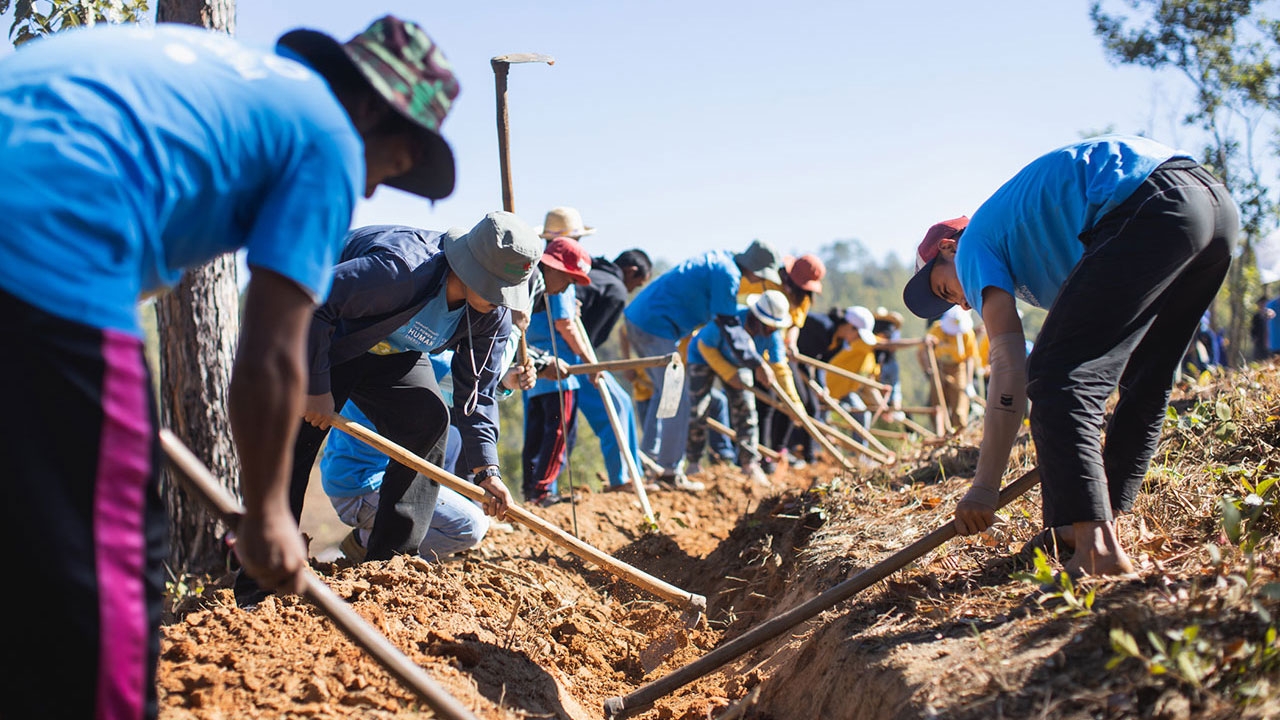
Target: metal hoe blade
x=672 y=388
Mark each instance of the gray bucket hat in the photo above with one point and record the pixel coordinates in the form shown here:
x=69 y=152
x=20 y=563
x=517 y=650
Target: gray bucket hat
x=762 y=260
x=495 y=258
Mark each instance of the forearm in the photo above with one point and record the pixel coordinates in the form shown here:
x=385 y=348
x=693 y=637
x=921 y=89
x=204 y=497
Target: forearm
x=786 y=380
x=265 y=401
x=717 y=361
x=568 y=330
x=1007 y=396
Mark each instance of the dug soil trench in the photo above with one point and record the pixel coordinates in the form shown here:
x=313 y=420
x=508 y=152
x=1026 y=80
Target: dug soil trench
x=520 y=629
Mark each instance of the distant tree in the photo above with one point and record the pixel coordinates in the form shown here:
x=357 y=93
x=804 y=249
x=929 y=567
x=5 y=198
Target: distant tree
x=1223 y=48
x=33 y=18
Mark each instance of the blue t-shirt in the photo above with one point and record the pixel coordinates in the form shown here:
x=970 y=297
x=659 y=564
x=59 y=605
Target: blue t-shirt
x=429 y=329
x=349 y=467
x=1025 y=239
x=769 y=347
x=563 y=306
x=132 y=153
x=691 y=294
x=1273 y=326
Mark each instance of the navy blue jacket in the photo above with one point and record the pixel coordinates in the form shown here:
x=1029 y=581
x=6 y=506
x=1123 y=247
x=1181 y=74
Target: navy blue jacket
x=385 y=275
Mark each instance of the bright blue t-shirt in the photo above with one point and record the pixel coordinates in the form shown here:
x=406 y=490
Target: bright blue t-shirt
x=132 y=153
x=1025 y=239
x=770 y=347
x=349 y=467
x=563 y=306
x=691 y=294
x=1273 y=326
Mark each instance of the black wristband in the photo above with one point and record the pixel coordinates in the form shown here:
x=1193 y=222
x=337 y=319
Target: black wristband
x=485 y=474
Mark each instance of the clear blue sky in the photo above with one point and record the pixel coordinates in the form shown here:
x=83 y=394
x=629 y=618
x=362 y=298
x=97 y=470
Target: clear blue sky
x=685 y=126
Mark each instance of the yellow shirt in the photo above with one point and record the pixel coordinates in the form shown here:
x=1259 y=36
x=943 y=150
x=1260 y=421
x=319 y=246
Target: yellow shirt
x=859 y=358
x=984 y=351
x=953 y=349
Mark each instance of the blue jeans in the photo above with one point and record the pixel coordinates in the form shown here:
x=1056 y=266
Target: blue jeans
x=457 y=524
x=592 y=407
x=664 y=440
x=718 y=408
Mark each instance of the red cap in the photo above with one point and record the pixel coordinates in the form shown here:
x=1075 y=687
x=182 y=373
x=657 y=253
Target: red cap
x=945 y=230
x=918 y=294
x=567 y=255
x=806 y=272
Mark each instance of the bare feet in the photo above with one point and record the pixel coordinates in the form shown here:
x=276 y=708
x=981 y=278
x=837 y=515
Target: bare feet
x=1098 y=551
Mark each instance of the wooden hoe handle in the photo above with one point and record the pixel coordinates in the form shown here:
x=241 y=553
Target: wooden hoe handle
x=683 y=599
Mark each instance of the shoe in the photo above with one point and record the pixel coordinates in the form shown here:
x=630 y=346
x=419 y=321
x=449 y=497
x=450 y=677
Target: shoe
x=550 y=499
x=766 y=465
x=692 y=468
x=756 y=474
x=677 y=481
x=352 y=548
x=248 y=592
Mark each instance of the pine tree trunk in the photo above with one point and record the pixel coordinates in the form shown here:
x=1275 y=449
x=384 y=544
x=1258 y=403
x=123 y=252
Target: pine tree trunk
x=199 y=322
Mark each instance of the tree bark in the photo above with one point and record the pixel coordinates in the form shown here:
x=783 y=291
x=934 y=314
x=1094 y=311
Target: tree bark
x=198 y=323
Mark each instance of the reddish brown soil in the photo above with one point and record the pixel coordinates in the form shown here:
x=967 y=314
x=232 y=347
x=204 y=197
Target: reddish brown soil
x=523 y=629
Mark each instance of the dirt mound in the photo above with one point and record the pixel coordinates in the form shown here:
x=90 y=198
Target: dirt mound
x=522 y=629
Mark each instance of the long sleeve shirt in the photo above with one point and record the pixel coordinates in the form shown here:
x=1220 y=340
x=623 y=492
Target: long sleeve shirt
x=386 y=275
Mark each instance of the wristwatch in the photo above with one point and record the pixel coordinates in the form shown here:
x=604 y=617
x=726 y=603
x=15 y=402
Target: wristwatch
x=490 y=472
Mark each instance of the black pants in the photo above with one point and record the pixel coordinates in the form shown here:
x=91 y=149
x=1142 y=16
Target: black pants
x=1124 y=317
x=400 y=396
x=547 y=442
x=86 y=527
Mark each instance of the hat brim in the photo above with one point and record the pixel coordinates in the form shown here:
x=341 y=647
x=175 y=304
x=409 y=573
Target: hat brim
x=579 y=277
x=463 y=263
x=919 y=297
x=434 y=174
x=867 y=336
x=576 y=236
x=770 y=274
x=782 y=324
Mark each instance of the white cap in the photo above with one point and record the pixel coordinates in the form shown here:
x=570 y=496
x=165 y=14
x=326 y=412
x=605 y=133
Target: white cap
x=862 y=320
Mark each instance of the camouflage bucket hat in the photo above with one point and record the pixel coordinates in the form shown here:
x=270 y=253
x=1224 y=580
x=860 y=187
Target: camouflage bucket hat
x=407 y=69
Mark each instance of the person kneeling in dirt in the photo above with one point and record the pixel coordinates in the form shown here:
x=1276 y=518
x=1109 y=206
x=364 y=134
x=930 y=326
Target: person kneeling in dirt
x=132 y=153
x=352 y=471
x=398 y=294
x=1127 y=242
x=716 y=353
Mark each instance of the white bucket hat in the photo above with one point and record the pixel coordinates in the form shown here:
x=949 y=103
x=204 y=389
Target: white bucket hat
x=863 y=321
x=771 y=308
x=564 y=222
